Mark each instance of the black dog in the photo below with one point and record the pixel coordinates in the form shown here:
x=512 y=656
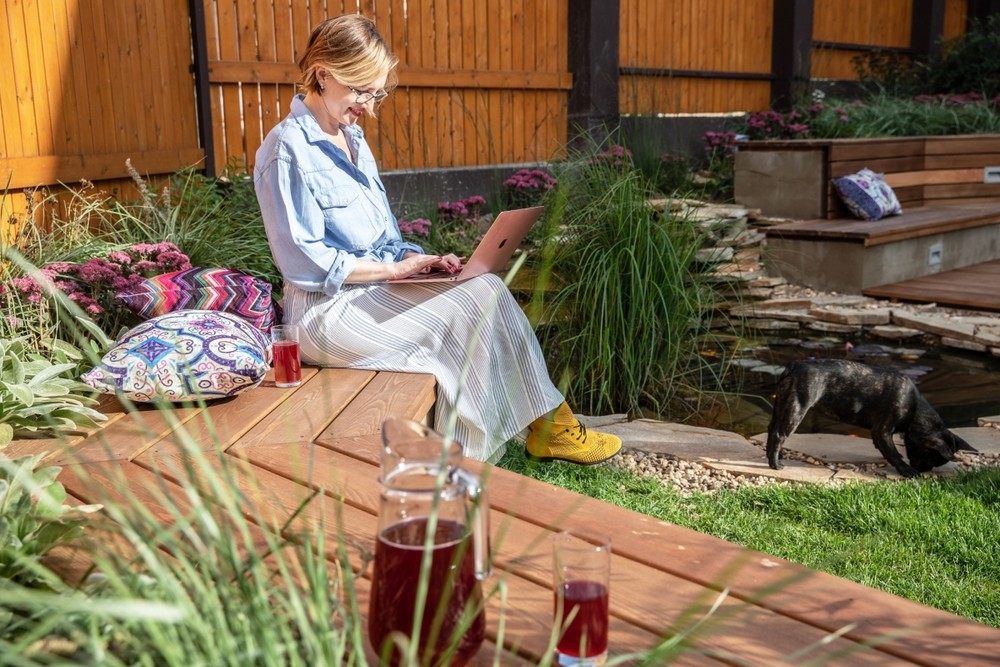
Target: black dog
x=883 y=401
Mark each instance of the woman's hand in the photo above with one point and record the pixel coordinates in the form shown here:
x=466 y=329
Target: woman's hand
x=414 y=263
x=449 y=263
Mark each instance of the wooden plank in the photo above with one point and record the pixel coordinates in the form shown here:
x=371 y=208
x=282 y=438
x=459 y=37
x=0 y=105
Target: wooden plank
x=979 y=189
x=913 y=223
x=10 y=113
x=934 y=177
x=230 y=111
x=968 y=287
x=962 y=144
x=845 y=150
x=309 y=409
x=25 y=172
x=962 y=161
x=125 y=438
x=227 y=421
x=888 y=165
x=388 y=395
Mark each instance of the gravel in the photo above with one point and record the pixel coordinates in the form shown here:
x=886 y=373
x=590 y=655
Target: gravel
x=689 y=477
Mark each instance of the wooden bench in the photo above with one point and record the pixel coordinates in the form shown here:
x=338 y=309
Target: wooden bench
x=283 y=445
x=949 y=209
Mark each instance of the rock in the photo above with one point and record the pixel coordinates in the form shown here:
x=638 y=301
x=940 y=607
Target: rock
x=830 y=327
x=852 y=316
x=962 y=344
x=935 y=324
x=893 y=332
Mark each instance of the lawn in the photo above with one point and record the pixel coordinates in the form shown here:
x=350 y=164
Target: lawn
x=931 y=540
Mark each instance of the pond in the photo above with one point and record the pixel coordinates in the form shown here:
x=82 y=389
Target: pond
x=962 y=386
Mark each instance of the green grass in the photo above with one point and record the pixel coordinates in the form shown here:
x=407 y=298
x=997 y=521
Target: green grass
x=931 y=540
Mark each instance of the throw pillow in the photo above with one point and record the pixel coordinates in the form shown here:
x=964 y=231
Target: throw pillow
x=203 y=288
x=867 y=195
x=185 y=355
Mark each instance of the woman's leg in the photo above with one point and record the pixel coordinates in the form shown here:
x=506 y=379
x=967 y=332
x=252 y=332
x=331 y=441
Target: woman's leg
x=471 y=335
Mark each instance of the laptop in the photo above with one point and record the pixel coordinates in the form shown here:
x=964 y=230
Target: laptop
x=494 y=250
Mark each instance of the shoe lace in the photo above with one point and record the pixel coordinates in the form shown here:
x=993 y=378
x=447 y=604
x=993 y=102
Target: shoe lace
x=581 y=435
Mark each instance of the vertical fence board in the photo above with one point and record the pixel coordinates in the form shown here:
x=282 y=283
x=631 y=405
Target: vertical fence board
x=880 y=24
x=956 y=14
x=694 y=44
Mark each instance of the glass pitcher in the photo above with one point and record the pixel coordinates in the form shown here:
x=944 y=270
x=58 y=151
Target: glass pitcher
x=429 y=504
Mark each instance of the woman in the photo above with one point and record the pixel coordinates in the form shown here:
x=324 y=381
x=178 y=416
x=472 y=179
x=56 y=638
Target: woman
x=336 y=242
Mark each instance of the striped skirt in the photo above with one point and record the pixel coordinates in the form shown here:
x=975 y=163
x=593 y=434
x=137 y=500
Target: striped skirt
x=471 y=335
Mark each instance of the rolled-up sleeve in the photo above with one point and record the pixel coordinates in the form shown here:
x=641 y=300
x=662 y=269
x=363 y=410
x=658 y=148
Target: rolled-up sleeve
x=296 y=230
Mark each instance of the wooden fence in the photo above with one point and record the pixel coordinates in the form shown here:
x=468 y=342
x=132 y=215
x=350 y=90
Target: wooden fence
x=482 y=81
x=175 y=83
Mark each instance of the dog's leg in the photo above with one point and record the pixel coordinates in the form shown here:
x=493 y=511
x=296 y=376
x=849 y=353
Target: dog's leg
x=882 y=437
x=785 y=418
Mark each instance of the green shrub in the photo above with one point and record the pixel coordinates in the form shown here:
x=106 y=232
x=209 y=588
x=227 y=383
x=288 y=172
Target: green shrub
x=968 y=63
x=625 y=309
x=33 y=520
x=39 y=396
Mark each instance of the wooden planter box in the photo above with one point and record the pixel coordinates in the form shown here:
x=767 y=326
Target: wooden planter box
x=949 y=188
x=791 y=179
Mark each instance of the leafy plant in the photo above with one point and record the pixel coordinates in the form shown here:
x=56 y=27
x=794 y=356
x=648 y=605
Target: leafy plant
x=527 y=187
x=622 y=323
x=33 y=520
x=38 y=396
x=456 y=227
x=968 y=62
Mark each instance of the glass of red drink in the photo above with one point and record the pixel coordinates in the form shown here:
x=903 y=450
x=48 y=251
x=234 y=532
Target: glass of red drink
x=581 y=578
x=285 y=349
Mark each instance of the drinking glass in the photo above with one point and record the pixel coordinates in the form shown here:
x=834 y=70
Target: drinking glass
x=581 y=573
x=287 y=365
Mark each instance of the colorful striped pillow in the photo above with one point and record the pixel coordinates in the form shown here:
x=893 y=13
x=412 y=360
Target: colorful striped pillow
x=202 y=288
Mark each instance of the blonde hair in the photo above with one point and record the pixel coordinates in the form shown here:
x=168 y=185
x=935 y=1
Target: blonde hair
x=351 y=49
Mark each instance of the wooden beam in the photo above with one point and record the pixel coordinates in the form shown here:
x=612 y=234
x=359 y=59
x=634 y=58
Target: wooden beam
x=203 y=102
x=927 y=26
x=791 y=47
x=27 y=172
x=232 y=71
x=593 y=59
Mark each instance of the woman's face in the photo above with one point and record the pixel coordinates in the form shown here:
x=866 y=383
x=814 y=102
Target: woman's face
x=346 y=104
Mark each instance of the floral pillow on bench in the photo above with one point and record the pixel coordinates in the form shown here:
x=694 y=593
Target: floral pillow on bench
x=867 y=195
x=185 y=355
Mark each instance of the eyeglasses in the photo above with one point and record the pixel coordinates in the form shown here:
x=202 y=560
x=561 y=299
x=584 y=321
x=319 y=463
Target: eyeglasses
x=364 y=97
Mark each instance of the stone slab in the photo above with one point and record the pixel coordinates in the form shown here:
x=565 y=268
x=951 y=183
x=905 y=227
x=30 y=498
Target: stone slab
x=831 y=447
x=983 y=438
x=691 y=443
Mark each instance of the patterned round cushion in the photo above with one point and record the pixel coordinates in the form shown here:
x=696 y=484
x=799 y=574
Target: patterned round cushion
x=184 y=355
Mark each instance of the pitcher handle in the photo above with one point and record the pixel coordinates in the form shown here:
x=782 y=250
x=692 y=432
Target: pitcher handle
x=476 y=493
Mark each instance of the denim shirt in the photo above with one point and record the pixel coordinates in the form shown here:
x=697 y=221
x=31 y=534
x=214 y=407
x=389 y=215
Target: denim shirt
x=322 y=213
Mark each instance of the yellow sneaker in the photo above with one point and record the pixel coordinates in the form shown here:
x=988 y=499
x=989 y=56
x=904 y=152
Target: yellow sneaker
x=562 y=437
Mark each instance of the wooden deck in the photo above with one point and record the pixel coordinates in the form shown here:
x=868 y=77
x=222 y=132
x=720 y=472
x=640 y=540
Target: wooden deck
x=970 y=287
x=325 y=435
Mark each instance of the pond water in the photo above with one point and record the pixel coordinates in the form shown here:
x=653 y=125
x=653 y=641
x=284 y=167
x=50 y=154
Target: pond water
x=962 y=386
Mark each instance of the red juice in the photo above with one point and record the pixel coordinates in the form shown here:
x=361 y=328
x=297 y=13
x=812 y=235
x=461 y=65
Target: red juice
x=453 y=590
x=590 y=625
x=287 y=368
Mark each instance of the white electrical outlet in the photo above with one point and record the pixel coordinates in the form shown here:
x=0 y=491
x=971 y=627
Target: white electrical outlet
x=991 y=174
x=935 y=253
